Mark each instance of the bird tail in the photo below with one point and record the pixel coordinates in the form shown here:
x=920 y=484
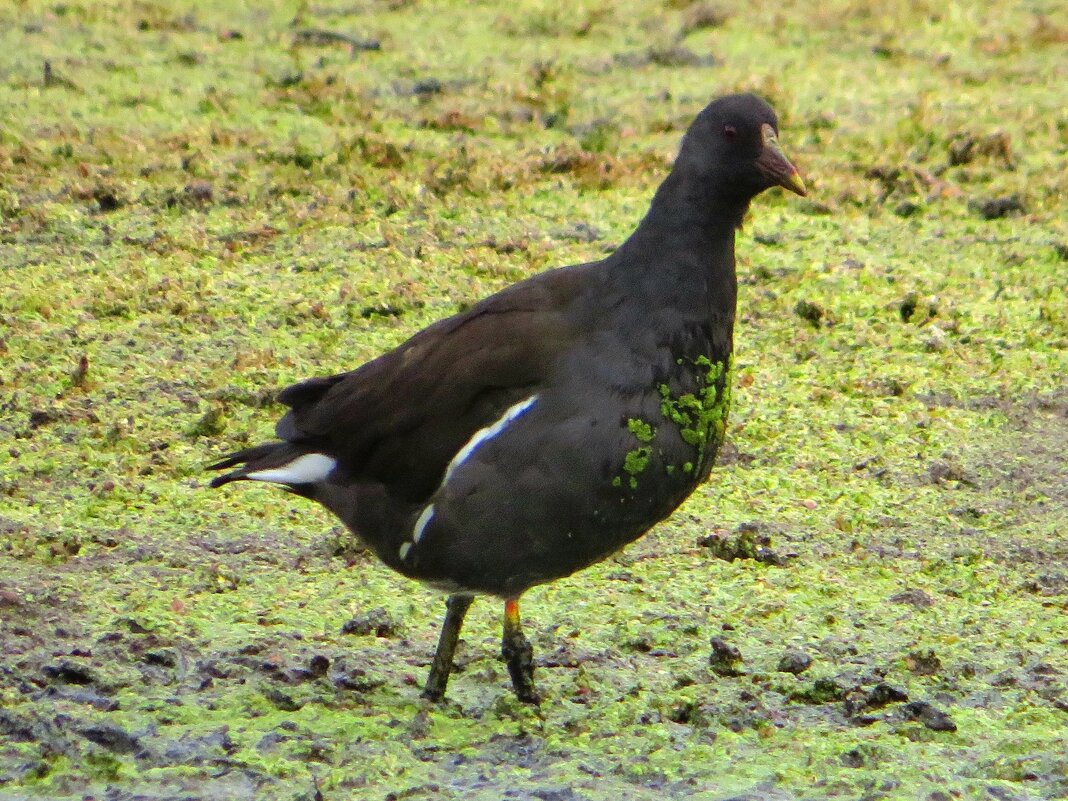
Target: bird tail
x=288 y=463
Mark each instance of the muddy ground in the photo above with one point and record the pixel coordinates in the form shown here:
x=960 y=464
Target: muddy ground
x=107 y=698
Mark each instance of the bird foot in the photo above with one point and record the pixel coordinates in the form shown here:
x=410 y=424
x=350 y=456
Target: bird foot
x=434 y=694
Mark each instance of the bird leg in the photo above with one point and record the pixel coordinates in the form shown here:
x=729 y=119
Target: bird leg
x=518 y=654
x=456 y=607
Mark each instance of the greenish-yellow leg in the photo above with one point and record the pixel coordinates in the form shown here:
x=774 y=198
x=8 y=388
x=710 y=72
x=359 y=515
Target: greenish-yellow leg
x=456 y=609
x=518 y=654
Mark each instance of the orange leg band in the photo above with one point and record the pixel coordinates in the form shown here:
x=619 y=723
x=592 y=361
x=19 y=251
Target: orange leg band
x=511 y=612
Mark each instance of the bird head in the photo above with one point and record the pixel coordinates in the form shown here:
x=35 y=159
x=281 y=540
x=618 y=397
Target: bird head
x=733 y=146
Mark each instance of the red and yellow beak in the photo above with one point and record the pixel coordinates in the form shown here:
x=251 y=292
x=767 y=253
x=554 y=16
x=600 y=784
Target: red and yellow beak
x=775 y=164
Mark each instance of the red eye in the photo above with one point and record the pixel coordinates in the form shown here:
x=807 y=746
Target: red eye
x=730 y=132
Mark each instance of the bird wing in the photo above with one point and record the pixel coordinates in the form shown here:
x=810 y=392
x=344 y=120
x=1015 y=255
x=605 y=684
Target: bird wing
x=401 y=418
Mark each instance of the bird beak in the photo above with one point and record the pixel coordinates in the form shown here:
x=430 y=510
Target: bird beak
x=776 y=166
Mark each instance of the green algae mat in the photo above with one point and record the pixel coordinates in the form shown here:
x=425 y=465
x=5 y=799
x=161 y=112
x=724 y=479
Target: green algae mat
x=203 y=202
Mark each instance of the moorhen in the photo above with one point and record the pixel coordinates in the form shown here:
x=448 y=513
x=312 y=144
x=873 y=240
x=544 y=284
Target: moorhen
x=554 y=422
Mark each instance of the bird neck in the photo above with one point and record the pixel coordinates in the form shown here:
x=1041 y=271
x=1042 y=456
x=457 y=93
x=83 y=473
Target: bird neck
x=697 y=200
x=687 y=239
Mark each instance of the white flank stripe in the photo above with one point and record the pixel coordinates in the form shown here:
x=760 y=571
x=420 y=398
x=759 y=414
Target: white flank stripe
x=405 y=547
x=489 y=432
x=421 y=523
x=306 y=469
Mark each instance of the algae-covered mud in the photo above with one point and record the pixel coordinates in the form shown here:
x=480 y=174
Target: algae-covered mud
x=203 y=202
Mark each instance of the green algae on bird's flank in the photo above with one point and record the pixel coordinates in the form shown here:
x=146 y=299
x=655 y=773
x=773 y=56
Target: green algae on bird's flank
x=641 y=429
x=637 y=459
x=701 y=418
x=635 y=463
x=207 y=209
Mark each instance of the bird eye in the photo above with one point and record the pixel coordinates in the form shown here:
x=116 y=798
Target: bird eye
x=730 y=132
